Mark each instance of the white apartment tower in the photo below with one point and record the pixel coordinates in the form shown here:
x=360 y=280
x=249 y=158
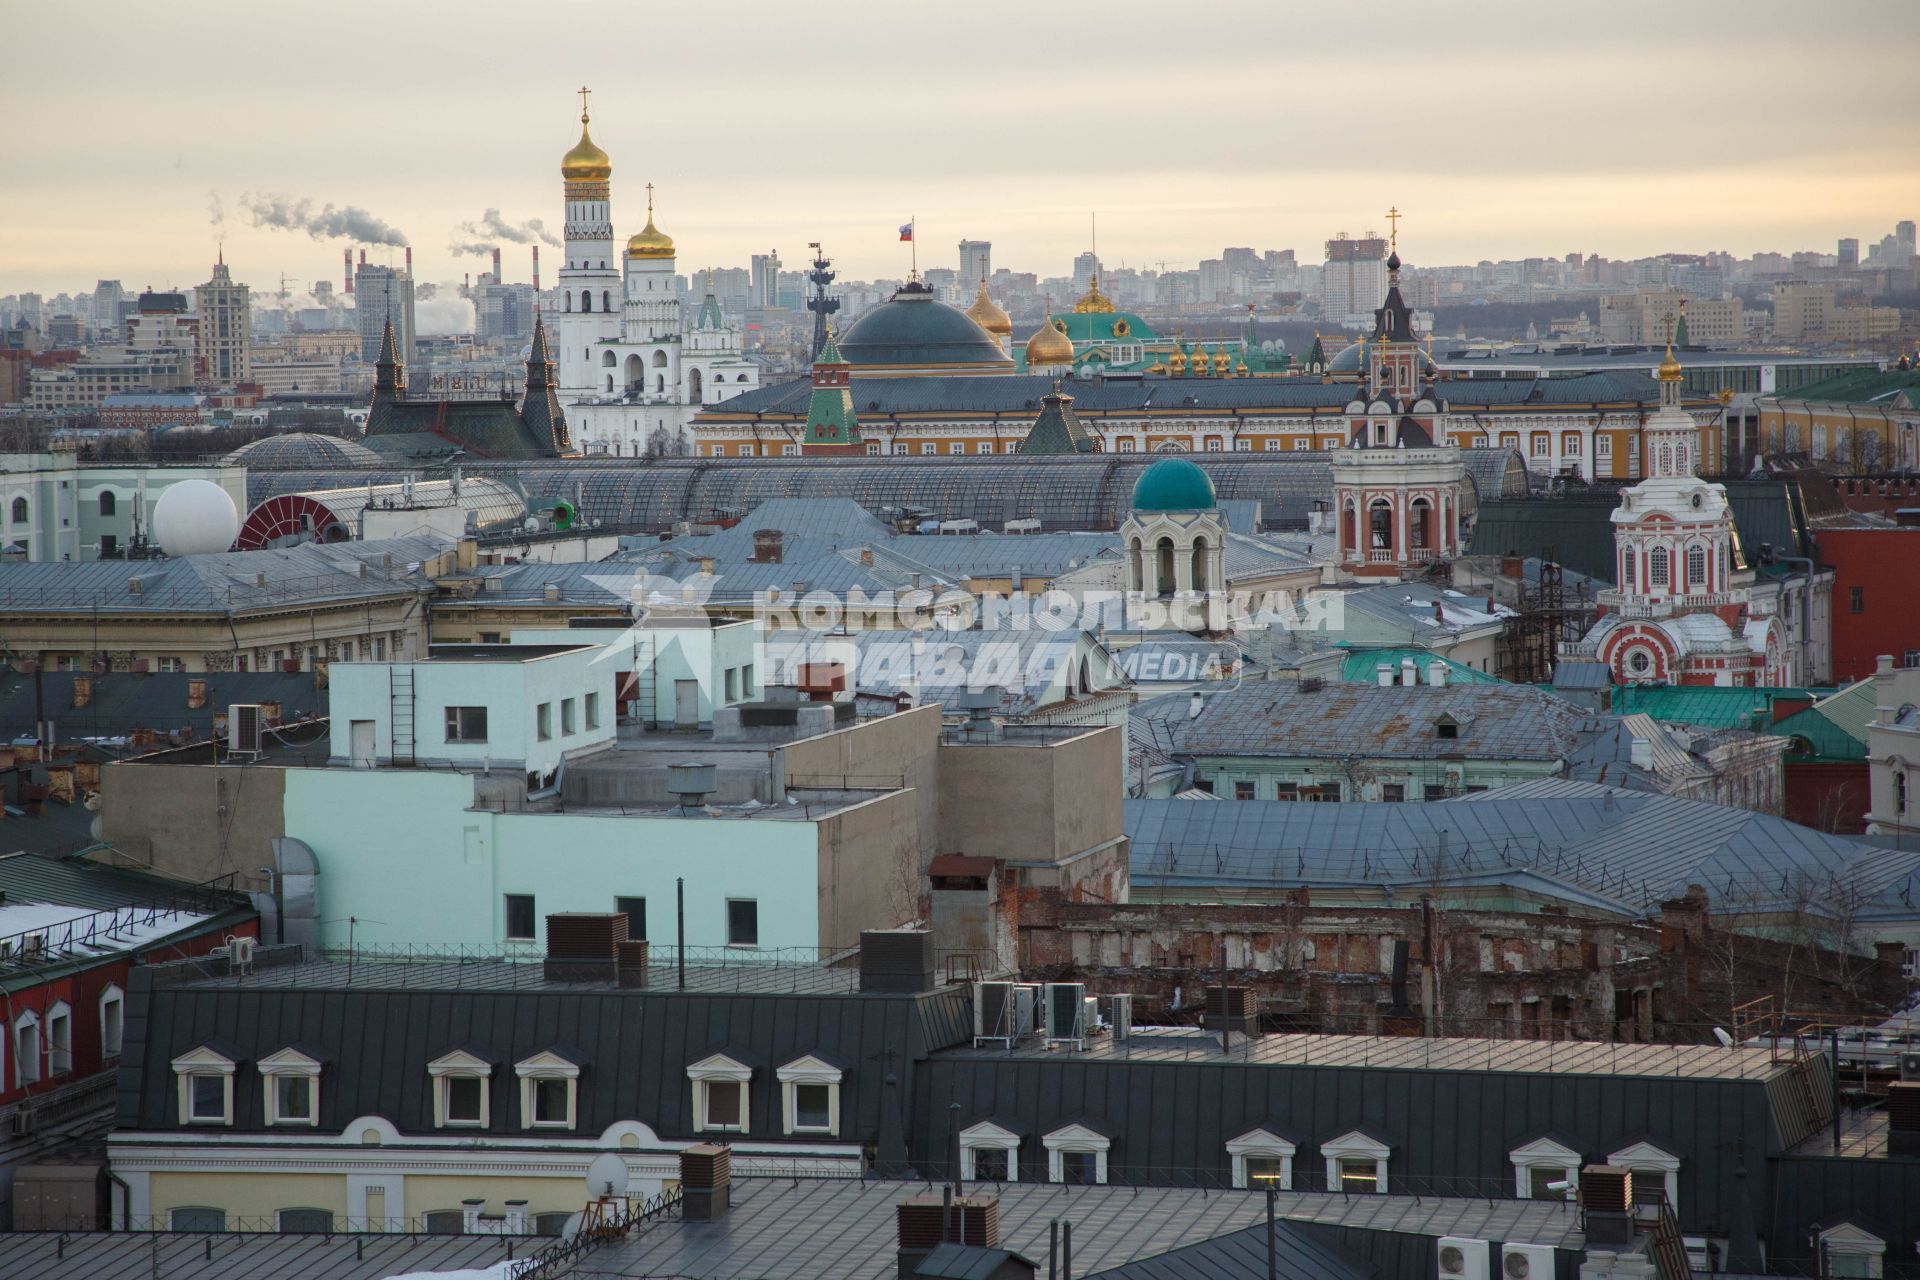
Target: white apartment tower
x=224 y=334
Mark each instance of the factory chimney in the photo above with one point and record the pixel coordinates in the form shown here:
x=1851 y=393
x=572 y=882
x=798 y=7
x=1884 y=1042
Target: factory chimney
x=498 y=278
x=409 y=262
x=466 y=282
x=346 y=259
x=363 y=257
x=536 y=269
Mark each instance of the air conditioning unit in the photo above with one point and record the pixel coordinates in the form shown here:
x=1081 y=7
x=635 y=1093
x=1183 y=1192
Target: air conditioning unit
x=1699 y=1253
x=1117 y=1013
x=246 y=728
x=1036 y=1007
x=1526 y=1262
x=33 y=946
x=1910 y=1064
x=240 y=952
x=1002 y=1012
x=1463 y=1259
x=1092 y=1021
x=1066 y=1014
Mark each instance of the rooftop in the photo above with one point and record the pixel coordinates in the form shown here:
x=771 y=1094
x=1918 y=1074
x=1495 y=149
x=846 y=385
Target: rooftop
x=1488 y=722
x=181 y=1255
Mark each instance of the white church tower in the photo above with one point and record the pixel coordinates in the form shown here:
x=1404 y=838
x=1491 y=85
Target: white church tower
x=590 y=272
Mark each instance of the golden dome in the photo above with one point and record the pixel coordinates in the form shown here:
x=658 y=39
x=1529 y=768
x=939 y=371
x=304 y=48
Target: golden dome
x=1093 y=301
x=1049 y=345
x=650 y=241
x=1669 y=368
x=986 y=313
x=1222 y=362
x=1177 y=360
x=1240 y=370
x=1197 y=365
x=586 y=162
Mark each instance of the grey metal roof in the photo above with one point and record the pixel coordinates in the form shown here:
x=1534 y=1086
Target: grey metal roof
x=229 y=581
x=304 y=450
x=1279 y=718
x=1573 y=840
x=120 y=701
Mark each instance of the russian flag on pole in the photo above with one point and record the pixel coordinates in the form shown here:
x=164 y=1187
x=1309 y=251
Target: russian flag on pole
x=906 y=231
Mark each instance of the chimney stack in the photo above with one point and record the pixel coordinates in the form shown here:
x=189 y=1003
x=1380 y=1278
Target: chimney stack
x=346 y=259
x=536 y=269
x=706 y=1182
x=498 y=276
x=363 y=257
x=466 y=282
x=409 y=262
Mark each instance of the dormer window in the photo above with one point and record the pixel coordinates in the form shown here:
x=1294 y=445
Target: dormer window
x=720 y=1101
x=989 y=1152
x=549 y=1090
x=1356 y=1163
x=810 y=1096
x=460 y=1091
x=1852 y=1251
x=1262 y=1160
x=1446 y=727
x=205 y=1080
x=1077 y=1155
x=291 y=1081
x=1656 y=1173
x=1541 y=1163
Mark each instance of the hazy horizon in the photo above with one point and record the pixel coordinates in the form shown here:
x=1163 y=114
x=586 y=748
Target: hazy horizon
x=1510 y=134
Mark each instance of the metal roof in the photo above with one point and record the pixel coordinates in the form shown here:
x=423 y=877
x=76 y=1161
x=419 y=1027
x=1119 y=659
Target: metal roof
x=305 y=450
x=119 y=702
x=1363 y=666
x=1280 y=719
x=187 y=1255
x=1608 y=848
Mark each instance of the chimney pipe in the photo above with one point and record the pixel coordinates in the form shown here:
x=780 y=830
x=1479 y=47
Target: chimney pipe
x=536 y=269
x=346 y=258
x=466 y=281
x=498 y=278
x=409 y=262
x=363 y=257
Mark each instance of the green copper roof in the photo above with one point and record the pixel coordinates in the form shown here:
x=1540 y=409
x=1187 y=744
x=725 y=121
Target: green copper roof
x=1057 y=430
x=1105 y=326
x=1363 y=666
x=1174 y=484
x=709 y=317
x=1861 y=387
x=1709 y=707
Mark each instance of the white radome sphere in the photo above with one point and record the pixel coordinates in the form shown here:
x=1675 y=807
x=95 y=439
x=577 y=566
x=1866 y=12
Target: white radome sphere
x=195 y=518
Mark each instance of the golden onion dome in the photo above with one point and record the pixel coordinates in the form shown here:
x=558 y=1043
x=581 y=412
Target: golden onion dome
x=1669 y=368
x=1240 y=370
x=1177 y=361
x=1197 y=365
x=1093 y=301
x=988 y=314
x=586 y=162
x=1222 y=362
x=1049 y=344
x=650 y=241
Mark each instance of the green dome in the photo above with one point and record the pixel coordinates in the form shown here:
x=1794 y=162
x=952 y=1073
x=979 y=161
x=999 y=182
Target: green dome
x=1173 y=484
x=914 y=329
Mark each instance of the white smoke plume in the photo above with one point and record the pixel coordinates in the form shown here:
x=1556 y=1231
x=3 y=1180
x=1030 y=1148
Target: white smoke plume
x=329 y=222
x=494 y=227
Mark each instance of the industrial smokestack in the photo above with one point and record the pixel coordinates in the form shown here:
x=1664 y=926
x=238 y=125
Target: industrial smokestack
x=363 y=257
x=536 y=268
x=409 y=262
x=498 y=278
x=346 y=261
x=466 y=282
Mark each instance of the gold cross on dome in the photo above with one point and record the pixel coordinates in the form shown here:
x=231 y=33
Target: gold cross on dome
x=649 y=199
x=1393 y=222
x=583 y=99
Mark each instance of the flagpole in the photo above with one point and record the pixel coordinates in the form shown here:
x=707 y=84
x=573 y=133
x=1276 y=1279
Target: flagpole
x=913 y=224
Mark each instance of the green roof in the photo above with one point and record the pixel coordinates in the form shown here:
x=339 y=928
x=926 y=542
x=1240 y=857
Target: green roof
x=1707 y=706
x=1363 y=665
x=1174 y=484
x=1860 y=387
x=1834 y=728
x=1101 y=326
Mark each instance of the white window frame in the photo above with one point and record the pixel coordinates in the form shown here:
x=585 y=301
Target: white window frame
x=1262 y=1144
x=290 y=1063
x=1354 y=1145
x=1080 y=1139
x=26 y=1066
x=59 y=1059
x=985 y=1135
x=110 y=1046
x=461 y=1065
x=196 y=1063
x=1541 y=1153
x=547 y=1065
x=1644 y=1156
x=814 y=1071
x=1845 y=1240
x=720 y=1067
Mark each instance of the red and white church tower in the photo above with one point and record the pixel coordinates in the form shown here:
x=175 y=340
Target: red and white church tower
x=1681 y=610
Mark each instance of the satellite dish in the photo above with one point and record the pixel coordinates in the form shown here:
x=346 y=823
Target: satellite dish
x=607 y=1175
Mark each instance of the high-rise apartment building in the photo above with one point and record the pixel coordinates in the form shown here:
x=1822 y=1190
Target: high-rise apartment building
x=1850 y=252
x=223 y=340
x=976 y=262
x=1355 y=279
x=381 y=294
x=1903 y=238
x=1085 y=268
x=104 y=316
x=766 y=279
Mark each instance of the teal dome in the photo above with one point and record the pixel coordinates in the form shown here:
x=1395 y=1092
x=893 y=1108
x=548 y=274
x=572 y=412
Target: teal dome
x=1173 y=484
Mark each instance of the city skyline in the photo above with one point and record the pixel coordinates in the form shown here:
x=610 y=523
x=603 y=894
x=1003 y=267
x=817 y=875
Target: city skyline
x=1267 y=156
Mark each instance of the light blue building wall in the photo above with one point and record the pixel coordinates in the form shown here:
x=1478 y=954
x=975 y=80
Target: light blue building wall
x=679 y=669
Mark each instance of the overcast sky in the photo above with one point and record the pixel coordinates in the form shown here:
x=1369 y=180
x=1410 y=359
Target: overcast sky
x=1501 y=129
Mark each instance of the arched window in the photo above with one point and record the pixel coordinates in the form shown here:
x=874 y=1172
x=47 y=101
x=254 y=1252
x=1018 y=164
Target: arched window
x=741 y=378
x=1163 y=569
x=1200 y=582
x=106 y=503
x=1380 y=525
x=1627 y=561
x=609 y=382
x=586 y=299
x=1666 y=460
x=569 y=301
x=1418 y=521
x=1899 y=769
x=1657 y=567
x=19 y=510
x=659 y=359
x=659 y=382
x=1696 y=566
x=693 y=386
x=636 y=371
x=1350 y=527
x=606 y=359
x=606 y=299
x=1135 y=570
